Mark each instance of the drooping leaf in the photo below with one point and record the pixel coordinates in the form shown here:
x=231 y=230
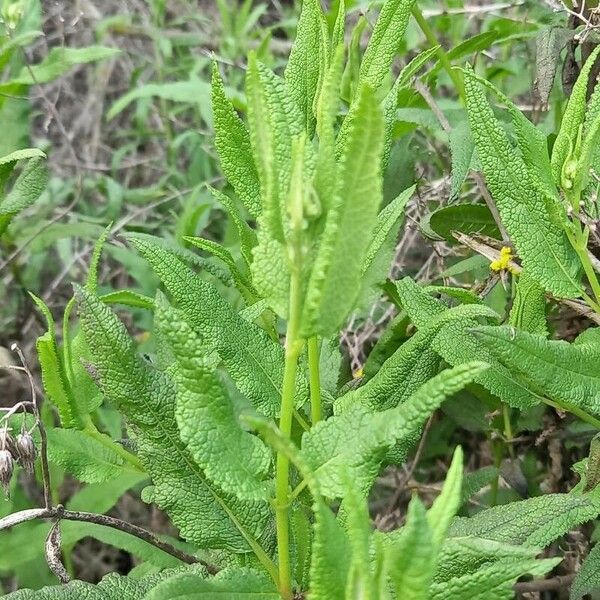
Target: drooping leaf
x=462 y=149
x=528 y=311
x=28 y=187
x=549 y=44
x=561 y=371
x=357 y=440
x=533 y=522
x=457 y=345
x=491 y=582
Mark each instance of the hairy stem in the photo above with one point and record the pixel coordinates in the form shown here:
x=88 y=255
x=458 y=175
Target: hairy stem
x=315 y=380
x=293 y=349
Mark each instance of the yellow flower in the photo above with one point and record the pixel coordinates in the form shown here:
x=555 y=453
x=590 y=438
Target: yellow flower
x=503 y=262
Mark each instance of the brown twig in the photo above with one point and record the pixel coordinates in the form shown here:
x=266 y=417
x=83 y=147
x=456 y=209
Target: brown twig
x=544 y=585
x=60 y=513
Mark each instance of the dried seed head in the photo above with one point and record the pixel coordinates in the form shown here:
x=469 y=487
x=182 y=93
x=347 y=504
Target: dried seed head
x=6 y=469
x=7 y=441
x=26 y=451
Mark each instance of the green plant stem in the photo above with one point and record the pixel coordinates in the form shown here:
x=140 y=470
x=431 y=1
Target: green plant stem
x=282 y=501
x=315 y=380
x=441 y=53
x=579 y=240
x=508 y=434
x=578 y=412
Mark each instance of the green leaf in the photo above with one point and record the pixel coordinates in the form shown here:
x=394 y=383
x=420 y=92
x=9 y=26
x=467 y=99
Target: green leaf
x=187 y=92
x=385 y=42
x=8 y=162
x=273 y=119
x=241 y=280
x=411 y=556
x=331 y=557
x=326 y=112
x=541 y=243
x=84 y=457
x=549 y=44
x=463 y=555
x=474 y=481
x=303 y=68
x=446 y=505
x=232 y=141
x=492 y=582
x=456 y=345
x=206 y=516
x=54 y=375
x=466 y=218
x=361 y=582
x=231 y=457
x=409 y=367
x=231 y=583
x=528 y=311
x=381 y=250
x=246 y=234
x=28 y=187
x=252 y=359
x=567 y=373
x=57 y=62
x=533 y=522
x=533 y=144
x=587 y=580
x=112 y=587
x=334 y=282
x=356 y=441
x=566 y=142
x=462 y=150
